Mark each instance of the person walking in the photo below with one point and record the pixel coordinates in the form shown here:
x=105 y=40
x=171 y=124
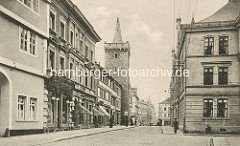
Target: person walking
x=175 y=125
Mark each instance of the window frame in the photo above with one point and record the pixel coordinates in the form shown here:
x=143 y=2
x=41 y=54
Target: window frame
x=219 y=73
x=212 y=112
x=31 y=8
x=225 y=108
x=55 y=20
x=226 y=50
x=32 y=105
x=208 y=42
x=24 y=107
x=204 y=77
x=27 y=40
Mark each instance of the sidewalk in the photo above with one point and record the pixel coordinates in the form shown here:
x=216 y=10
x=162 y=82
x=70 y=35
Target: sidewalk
x=41 y=139
x=168 y=130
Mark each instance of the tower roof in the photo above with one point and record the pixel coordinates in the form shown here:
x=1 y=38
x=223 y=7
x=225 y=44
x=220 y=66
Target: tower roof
x=117 y=35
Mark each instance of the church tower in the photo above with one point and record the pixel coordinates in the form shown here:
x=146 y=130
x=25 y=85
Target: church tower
x=117 y=57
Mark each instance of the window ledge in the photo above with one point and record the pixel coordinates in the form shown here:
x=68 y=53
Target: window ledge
x=52 y=31
x=62 y=39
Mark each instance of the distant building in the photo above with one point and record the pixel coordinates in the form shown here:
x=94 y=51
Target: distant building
x=146 y=112
x=134 y=106
x=117 y=59
x=210 y=95
x=164 y=112
x=109 y=94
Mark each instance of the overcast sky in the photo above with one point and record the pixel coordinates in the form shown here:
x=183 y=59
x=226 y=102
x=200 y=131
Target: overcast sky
x=149 y=27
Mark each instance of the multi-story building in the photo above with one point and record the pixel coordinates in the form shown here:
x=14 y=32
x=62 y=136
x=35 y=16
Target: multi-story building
x=109 y=99
x=117 y=59
x=146 y=112
x=134 y=107
x=164 y=112
x=209 y=50
x=70 y=83
x=23 y=45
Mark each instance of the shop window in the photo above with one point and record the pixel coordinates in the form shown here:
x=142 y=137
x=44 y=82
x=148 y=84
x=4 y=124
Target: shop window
x=207 y=108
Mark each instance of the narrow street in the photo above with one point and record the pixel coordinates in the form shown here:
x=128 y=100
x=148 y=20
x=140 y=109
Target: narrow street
x=140 y=136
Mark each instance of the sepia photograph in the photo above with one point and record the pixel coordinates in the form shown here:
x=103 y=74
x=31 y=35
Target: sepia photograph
x=119 y=72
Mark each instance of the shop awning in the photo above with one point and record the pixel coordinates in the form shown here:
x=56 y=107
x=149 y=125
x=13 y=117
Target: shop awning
x=84 y=110
x=97 y=112
x=102 y=109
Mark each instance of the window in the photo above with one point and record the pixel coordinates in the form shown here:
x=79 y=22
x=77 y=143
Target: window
x=24 y=39
x=208 y=76
x=62 y=29
x=86 y=51
x=223 y=76
x=33 y=108
x=22 y=107
x=207 y=108
x=61 y=63
x=222 y=108
x=32 y=4
x=116 y=55
x=92 y=81
x=52 y=20
x=71 y=38
x=223 y=44
x=208 y=45
x=86 y=79
x=52 y=59
x=92 y=56
x=81 y=41
x=71 y=70
x=32 y=43
x=165 y=109
x=28 y=41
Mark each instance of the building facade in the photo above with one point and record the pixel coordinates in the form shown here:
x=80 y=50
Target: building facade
x=70 y=86
x=210 y=95
x=22 y=67
x=109 y=99
x=146 y=112
x=164 y=112
x=134 y=107
x=117 y=59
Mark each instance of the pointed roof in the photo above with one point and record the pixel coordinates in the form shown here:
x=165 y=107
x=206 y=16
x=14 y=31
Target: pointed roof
x=117 y=36
x=228 y=12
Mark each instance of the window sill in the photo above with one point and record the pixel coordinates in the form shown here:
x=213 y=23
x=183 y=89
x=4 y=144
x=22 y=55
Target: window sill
x=52 y=31
x=62 y=39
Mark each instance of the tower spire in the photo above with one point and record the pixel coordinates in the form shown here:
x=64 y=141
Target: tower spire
x=117 y=36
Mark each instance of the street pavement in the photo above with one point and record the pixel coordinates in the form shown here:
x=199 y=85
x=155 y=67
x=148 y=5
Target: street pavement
x=122 y=136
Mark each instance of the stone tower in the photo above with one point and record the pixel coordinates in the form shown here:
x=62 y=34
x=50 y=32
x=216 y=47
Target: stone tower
x=117 y=57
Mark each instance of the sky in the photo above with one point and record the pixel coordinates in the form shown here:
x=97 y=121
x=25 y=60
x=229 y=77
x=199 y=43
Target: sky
x=149 y=26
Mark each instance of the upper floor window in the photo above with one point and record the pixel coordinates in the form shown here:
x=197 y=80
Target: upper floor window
x=223 y=76
x=61 y=63
x=116 y=55
x=208 y=76
x=86 y=51
x=32 y=43
x=223 y=44
x=92 y=56
x=32 y=4
x=62 y=29
x=28 y=41
x=52 y=21
x=207 y=108
x=222 y=108
x=52 y=59
x=71 y=37
x=208 y=45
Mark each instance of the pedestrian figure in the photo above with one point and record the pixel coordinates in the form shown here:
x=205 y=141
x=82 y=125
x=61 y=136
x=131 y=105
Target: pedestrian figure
x=111 y=122
x=175 y=125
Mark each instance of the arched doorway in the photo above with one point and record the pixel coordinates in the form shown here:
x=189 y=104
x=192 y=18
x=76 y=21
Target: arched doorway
x=4 y=103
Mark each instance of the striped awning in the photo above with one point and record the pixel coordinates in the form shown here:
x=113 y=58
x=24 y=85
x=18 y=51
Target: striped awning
x=102 y=109
x=97 y=112
x=83 y=110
